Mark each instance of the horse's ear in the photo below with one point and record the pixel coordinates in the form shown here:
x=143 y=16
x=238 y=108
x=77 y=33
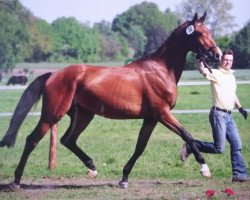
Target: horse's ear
x=195 y=18
x=202 y=19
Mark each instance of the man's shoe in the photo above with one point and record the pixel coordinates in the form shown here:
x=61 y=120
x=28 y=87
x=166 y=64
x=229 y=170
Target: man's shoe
x=185 y=152
x=240 y=179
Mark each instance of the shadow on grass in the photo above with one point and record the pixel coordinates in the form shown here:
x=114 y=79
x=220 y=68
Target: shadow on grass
x=143 y=183
x=7 y=188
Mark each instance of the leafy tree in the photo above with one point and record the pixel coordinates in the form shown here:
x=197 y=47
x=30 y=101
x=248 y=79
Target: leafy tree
x=113 y=45
x=41 y=40
x=137 y=40
x=241 y=47
x=13 y=33
x=73 y=40
x=219 y=19
x=223 y=42
x=156 y=36
x=139 y=23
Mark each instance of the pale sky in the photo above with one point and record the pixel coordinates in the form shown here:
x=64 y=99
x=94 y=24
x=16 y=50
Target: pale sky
x=97 y=10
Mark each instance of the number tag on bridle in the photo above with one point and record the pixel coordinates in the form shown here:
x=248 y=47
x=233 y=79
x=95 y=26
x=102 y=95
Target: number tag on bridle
x=190 y=30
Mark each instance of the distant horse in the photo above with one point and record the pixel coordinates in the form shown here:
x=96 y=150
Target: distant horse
x=144 y=89
x=13 y=80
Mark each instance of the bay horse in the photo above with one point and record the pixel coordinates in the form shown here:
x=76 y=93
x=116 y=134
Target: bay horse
x=13 y=80
x=144 y=89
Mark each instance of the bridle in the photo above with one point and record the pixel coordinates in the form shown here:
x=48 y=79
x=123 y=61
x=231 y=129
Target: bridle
x=206 y=57
x=203 y=55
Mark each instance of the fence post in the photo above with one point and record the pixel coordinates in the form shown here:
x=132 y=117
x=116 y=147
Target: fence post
x=52 y=151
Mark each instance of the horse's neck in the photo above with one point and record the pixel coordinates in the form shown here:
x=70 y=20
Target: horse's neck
x=173 y=56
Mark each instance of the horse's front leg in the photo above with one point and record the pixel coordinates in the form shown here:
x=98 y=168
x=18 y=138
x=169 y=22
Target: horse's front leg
x=144 y=135
x=172 y=123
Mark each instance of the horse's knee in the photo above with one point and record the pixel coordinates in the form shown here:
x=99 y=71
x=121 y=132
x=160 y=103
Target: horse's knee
x=63 y=141
x=31 y=142
x=66 y=142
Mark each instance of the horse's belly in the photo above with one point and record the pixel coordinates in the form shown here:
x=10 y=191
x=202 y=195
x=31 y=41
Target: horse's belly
x=111 y=107
x=114 y=113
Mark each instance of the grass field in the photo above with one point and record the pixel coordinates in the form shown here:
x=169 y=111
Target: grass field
x=158 y=173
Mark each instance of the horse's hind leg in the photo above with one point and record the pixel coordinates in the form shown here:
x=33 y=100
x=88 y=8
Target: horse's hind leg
x=169 y=121
x=80 y=119
x=31 y=142
x=145 y=132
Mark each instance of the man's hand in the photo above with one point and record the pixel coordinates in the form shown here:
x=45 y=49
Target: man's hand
x=243 y=112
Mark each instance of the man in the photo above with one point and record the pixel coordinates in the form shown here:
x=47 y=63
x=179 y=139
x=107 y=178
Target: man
x=224 y=99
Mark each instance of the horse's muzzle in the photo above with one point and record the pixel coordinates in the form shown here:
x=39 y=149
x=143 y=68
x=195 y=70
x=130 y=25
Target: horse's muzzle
x=208 y=56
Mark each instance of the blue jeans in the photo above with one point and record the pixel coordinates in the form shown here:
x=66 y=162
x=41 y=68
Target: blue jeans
x=224 y=127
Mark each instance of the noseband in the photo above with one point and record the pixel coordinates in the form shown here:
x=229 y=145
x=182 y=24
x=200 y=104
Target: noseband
x=206 y=57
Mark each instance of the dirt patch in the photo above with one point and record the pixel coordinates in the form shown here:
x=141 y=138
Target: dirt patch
x=84 y=188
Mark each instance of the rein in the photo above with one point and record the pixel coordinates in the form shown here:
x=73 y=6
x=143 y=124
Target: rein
x=205 y=57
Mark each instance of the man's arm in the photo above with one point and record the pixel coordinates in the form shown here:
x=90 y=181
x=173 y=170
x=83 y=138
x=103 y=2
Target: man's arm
x=204 y=71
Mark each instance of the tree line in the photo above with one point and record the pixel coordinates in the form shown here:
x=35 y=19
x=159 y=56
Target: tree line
x=135 y=33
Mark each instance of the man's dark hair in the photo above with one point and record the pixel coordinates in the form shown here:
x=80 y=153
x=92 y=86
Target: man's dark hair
x=228 y=52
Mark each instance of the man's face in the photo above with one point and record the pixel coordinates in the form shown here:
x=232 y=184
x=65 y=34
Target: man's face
x=227 y=61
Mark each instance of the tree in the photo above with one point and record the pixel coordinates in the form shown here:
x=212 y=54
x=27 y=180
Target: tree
x=137 y=40
x=113 y=45
x=74 y=41
x=41 y=40
x=219 y=19
x=223 y=42
x=14 y=36
x=139 y=22
x=241 y=47
x=156 y=36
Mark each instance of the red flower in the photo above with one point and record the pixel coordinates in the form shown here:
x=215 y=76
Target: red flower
x=229 y=191
x=210 y=193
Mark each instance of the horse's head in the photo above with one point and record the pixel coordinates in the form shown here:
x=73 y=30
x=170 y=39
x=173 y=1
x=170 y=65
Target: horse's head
x=200 y=40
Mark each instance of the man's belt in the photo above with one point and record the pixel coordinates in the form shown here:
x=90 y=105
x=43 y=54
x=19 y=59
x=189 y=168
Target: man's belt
x=223 y=110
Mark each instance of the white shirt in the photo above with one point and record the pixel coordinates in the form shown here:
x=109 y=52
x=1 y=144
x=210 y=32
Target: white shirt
x=223 y=87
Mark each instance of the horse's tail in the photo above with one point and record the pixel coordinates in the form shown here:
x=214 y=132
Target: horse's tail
x=29 y=97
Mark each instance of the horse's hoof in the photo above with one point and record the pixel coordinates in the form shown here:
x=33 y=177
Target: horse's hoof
x=206 y=174
x=14 y=186
x=205 y=170
x=123 y=185
x=92 y=174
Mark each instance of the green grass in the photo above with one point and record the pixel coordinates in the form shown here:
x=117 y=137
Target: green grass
x=112 y=142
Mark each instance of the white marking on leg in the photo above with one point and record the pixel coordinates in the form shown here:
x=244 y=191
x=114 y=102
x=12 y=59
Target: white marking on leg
x=92 y=174
x=205 y=170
